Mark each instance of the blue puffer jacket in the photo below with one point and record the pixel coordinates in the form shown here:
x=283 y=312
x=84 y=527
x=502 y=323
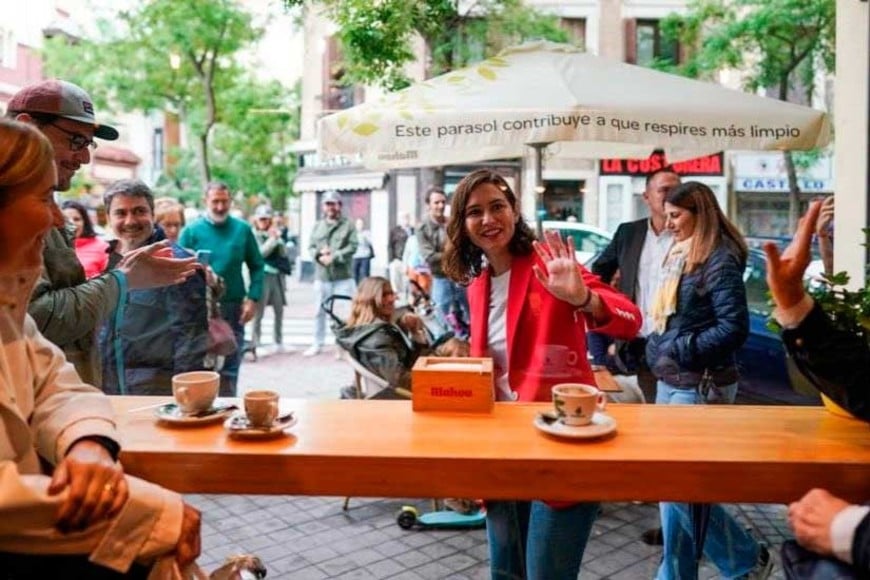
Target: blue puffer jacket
x=164 y=332
x=709 y=326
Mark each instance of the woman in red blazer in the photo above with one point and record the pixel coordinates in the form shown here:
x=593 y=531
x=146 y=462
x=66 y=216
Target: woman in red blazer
x=531 y=304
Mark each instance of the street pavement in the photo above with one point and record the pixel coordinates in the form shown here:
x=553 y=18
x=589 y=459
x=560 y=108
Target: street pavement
x=314 y=538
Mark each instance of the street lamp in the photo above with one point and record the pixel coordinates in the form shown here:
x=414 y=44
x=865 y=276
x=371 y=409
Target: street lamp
x=174 y=60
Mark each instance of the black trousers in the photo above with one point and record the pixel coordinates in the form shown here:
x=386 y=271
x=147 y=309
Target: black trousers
x=646 y=380
x=76 y=567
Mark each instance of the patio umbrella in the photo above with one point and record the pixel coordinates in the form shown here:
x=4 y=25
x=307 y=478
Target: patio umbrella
x=540 y=93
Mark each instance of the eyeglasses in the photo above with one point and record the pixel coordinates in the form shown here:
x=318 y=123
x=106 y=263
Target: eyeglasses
x=77 y=141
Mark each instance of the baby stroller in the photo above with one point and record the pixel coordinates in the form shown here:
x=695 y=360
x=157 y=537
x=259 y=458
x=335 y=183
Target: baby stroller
x=422 y=304
x=380 y=353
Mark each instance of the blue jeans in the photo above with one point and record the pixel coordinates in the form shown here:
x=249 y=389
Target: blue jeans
x=532 y=541
x=324 y=290
x=231 y=312
x=448 y=294
x=733 y=551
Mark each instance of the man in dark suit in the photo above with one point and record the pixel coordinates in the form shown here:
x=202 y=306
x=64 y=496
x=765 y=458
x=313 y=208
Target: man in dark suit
x=837 y=362
x=636 y=253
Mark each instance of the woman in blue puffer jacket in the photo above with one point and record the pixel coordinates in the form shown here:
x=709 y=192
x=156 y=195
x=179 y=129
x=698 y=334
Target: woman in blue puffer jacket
x=700 y=320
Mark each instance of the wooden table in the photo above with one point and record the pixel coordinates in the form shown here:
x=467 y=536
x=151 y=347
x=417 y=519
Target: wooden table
x=383 y=449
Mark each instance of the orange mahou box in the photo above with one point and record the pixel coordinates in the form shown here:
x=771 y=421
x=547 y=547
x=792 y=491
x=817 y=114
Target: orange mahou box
x=452 y=384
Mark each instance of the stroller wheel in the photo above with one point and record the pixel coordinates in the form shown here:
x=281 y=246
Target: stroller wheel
x=407 y=518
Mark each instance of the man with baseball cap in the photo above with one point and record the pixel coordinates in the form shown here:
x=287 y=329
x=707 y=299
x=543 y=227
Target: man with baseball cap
x=66 y=306
x=333 y=243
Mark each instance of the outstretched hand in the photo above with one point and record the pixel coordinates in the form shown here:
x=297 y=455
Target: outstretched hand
x=153 y=266
x=785 y=273
x=562 y=277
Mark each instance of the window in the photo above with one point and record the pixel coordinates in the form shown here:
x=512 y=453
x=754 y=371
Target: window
x=157 y=150
x=336 y=94
x=8 y=48
x=576 y=29
x=646 y=44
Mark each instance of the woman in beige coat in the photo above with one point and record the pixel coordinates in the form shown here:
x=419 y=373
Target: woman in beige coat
x=86 y=519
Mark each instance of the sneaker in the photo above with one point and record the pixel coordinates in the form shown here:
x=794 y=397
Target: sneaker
x=763 y=567
x=312 y=350
x=652 y=537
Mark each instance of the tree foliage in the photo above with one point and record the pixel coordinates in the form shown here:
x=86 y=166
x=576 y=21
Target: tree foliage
x=181 y=56
x=780 y=46
x=377 y=37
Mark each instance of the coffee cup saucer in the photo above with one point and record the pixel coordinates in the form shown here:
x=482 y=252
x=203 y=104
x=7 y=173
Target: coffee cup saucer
x=238 y=425
x=602 y=424
x=172 y=413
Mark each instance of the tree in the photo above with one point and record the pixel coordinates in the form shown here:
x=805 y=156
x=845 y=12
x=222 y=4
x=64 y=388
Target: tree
x=781 y=45
x=177 y=56
x=377 y=37
x=252 y=151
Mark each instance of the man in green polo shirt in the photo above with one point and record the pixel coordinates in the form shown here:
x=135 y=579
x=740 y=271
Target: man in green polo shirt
x=232 y=244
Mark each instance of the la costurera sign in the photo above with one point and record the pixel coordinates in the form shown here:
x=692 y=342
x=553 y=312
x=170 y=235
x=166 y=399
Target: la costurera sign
x=708 y=165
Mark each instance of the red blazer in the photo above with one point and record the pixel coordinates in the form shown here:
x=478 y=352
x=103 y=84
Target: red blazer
x=546 y=337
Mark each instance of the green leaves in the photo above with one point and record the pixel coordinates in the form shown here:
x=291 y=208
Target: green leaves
x=185 y=57
x=377 y=38
x=848 y=309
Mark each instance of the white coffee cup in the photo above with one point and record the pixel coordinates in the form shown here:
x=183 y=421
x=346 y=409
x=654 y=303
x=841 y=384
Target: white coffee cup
x=575 y=403
x=261 y=408
x=195 y=391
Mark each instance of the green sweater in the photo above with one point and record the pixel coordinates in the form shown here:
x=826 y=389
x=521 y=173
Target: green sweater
x=232 y=244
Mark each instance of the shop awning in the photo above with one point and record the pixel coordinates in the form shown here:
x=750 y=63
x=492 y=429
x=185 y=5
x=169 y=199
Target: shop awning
x=339 y=181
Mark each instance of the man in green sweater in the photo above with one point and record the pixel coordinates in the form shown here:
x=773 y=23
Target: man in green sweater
x=232 y=244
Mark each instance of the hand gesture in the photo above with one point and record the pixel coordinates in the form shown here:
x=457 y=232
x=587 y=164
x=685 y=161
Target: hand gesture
x=811 y=517
x=785 y=273
x=411 y=322
x=153 y=266
x=826 y=217
x=325 y=257
x=189 y=543
x=562 y=277
x=96 y=484
x=249 y=309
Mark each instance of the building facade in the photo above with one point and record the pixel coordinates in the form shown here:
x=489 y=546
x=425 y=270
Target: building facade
x=601 y=192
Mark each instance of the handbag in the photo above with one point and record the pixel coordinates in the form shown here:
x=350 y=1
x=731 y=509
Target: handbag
x=709 y=392
x=280 y=262
x=221 y=338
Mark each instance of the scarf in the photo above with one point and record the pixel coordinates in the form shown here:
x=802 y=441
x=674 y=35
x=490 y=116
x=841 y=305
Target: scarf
x=665 y=300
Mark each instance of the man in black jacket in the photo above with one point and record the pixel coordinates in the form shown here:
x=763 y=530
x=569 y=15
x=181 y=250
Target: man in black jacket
x=636 y=252
x=838 y=364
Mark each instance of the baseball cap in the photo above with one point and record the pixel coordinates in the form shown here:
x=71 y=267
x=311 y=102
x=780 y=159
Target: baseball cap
x=56 y=97
x=263 y=211
x=331 y=196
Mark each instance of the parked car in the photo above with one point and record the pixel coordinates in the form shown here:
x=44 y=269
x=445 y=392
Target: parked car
x=589 y=240
x=764 y=375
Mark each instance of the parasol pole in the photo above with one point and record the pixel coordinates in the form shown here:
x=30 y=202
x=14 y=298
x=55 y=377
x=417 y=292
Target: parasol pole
x=539 y=186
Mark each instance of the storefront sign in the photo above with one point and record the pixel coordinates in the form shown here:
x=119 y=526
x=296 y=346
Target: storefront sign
x=312 y=160
x=709 y=165
x=780 y=184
